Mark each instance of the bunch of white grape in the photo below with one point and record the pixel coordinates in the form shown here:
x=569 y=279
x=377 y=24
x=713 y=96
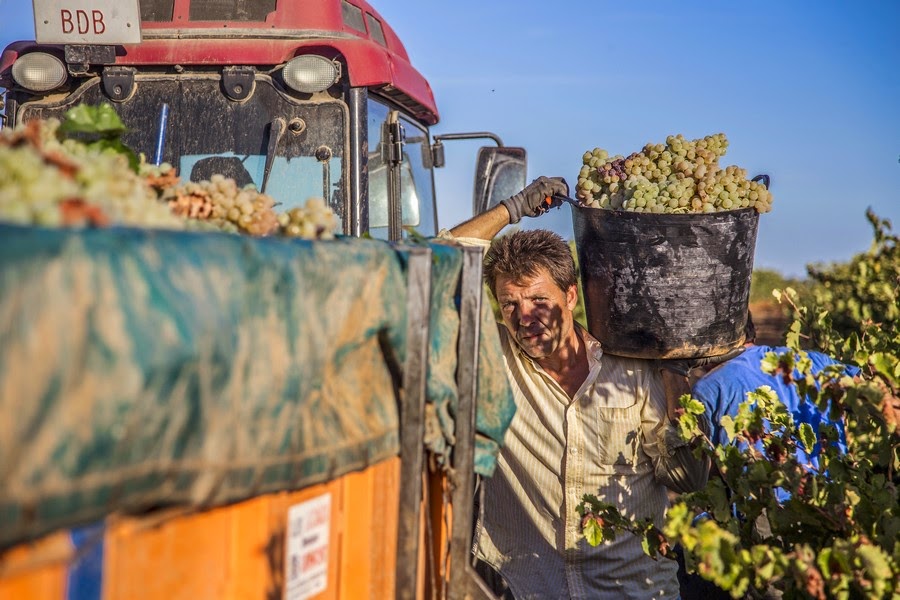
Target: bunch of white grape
x=221 y=202
x=52 y=181
x=314 y=221
x=159 y=177
x=680 y=176
x=48 y=182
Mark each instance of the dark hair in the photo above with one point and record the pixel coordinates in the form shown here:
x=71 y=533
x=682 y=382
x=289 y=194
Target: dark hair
x=749 y=330
x=521 y=254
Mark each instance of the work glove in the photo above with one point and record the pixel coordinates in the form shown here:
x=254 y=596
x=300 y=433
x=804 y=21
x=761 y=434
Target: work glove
x=533 y=200
x=683 y=366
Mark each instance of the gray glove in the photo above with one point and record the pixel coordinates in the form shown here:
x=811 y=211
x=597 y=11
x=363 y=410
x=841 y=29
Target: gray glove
x=532 y=201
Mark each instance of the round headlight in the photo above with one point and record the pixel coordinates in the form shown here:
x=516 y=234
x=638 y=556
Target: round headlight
x=310 y=73
x=39 y=72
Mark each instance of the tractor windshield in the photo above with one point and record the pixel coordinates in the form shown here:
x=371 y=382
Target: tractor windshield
x=288 y=148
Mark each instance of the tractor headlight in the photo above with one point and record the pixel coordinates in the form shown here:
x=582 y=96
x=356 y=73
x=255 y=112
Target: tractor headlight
x=311 y=73
x=39 y=72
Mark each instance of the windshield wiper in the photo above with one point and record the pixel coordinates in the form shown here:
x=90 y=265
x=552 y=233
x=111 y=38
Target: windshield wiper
x=276 y=130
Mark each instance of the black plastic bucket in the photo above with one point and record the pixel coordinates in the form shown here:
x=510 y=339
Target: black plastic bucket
x=666 y=286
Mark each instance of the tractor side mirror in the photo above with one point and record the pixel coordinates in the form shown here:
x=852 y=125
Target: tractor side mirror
x=499 y=173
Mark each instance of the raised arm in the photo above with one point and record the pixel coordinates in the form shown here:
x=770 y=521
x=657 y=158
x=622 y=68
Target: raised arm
x=483 y=226
x=530 y=202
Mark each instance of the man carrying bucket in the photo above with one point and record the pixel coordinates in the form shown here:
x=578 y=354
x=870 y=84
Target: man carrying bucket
x=586 y=423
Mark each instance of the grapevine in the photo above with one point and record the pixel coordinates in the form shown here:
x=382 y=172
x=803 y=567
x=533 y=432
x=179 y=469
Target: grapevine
x=680 y=176
x=836 y=536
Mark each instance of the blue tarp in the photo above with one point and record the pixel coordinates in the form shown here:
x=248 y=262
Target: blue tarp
x=147 y=368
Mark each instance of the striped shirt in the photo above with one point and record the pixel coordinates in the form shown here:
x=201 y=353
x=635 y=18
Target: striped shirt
x=613 y=440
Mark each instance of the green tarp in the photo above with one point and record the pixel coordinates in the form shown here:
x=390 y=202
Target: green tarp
x=147 y=368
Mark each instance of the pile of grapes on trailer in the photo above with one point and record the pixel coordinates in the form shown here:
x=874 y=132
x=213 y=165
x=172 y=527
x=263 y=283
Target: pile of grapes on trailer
x=680 y=176
x=51 y=180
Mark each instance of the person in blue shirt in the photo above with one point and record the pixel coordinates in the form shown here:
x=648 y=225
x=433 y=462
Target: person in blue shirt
x=722 y=390
x=725 y=387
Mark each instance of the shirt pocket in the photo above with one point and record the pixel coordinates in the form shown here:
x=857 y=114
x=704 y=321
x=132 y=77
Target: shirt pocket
x=619 y=433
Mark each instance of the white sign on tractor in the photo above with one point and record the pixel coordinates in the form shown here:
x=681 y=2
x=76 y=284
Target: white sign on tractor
x=307 y=542
x=104 y=22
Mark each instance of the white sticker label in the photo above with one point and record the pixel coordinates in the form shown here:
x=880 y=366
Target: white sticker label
x=87 y=21
x=306 y=548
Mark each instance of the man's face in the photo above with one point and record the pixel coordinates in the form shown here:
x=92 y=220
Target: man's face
x=537 y=312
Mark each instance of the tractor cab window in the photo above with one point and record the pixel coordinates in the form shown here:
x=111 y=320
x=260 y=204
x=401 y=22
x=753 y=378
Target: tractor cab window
x=239 y=10
x=208 y=10
x=417 y=206
x=290 y=150
x=157 y=10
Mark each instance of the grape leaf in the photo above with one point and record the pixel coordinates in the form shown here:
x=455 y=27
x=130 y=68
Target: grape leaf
x=593 y=533
x=691 y=406
x=728 y=426
x=877 y=567
x=99 y=120
x=792 y=338
x=769 y=363
x=807 y=437
x=116 y=145
x=885 y=364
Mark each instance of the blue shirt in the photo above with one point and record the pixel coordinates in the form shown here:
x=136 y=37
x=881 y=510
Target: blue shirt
x=724 y=388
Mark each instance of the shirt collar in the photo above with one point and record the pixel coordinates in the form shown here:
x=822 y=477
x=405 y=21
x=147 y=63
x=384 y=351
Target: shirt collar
x=594 y=347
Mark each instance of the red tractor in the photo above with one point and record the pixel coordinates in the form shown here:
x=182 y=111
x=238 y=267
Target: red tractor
x=313 y=98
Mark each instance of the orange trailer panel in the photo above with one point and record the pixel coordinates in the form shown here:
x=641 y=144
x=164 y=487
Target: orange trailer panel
x=235 y=552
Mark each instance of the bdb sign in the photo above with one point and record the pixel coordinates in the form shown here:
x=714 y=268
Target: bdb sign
x=87 y=21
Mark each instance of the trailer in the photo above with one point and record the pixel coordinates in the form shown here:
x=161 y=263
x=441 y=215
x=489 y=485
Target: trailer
x=203 y=415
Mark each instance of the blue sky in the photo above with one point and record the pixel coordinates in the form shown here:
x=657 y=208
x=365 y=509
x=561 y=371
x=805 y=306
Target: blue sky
x=806 y=91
